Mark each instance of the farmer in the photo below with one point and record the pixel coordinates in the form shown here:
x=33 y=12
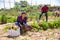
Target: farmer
x=44 y=9
x=21 y=21
x=56 y=13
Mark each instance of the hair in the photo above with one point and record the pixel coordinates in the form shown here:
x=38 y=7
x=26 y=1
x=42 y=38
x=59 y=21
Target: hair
x=23 y=13
x=45 y=5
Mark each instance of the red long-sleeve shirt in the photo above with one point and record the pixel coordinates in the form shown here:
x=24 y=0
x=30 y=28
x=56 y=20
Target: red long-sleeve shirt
x=44 y=9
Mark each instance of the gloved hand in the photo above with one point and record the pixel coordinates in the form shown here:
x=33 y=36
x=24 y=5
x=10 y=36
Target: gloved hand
x=20 y=24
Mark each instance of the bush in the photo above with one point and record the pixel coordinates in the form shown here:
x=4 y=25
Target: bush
x=35 y=25
x=3 y=19
x=11 y=19
x=0 y=19
x=57 y=23
x=7 y=28
x=51 y=25
x=44 y=25
x=50 y=13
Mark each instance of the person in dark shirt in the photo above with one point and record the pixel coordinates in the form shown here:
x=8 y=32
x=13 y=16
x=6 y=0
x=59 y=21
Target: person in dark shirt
x=21 y=22
x=44 y=9
x=22 y=19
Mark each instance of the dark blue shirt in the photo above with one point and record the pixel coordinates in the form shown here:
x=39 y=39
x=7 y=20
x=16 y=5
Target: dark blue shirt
x=21 y=21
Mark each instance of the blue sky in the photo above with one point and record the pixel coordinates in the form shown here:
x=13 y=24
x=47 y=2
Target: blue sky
x=34 y=2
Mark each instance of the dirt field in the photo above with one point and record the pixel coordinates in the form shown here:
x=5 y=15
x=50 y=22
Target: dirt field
x=49 y=34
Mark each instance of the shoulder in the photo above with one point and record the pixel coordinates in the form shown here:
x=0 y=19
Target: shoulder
x=19 y=16
x=25 y=17
x=47 y=7
x=42 y=7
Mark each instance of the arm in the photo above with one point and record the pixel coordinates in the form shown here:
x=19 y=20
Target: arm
x=25 y=21
x=42 y=8
x=18 y=20
x=47 y=8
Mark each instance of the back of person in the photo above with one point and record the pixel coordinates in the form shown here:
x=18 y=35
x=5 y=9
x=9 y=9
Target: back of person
x=44 y=9
x=56 y=13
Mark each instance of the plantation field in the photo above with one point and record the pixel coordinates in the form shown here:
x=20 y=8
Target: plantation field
x=41 y=30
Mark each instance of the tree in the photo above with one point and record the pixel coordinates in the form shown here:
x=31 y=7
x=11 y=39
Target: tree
x=16 y=6
x=23 y=3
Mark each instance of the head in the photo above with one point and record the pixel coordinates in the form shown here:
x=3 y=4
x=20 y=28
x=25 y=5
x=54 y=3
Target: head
x=45 y=5
x=23 y=14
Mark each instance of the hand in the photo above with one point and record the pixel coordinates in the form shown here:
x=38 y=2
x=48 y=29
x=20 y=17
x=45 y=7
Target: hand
x=20 y=24
x=24 y=24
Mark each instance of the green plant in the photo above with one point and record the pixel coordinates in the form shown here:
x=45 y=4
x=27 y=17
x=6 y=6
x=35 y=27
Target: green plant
x=50 y=13
x=51 y=25
x=11 y=19
x=44 y=25
x=57 y=23
x=35 y=24
x=3 y=19
x=15 y=28
x=7 y=28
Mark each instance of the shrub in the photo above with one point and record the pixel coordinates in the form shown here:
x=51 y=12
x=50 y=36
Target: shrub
x=7 y=28
x=35 y=24
x=11 y=19
x=57 y=23
x=50 y=13
x=51 y=25
x=44 y=25
x=3 y=19
x=0 y=19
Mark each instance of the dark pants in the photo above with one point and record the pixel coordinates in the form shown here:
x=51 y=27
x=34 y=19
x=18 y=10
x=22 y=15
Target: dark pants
x=45 y=15
x=23 y=28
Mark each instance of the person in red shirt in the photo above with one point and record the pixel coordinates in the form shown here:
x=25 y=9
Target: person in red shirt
x=44 y=9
